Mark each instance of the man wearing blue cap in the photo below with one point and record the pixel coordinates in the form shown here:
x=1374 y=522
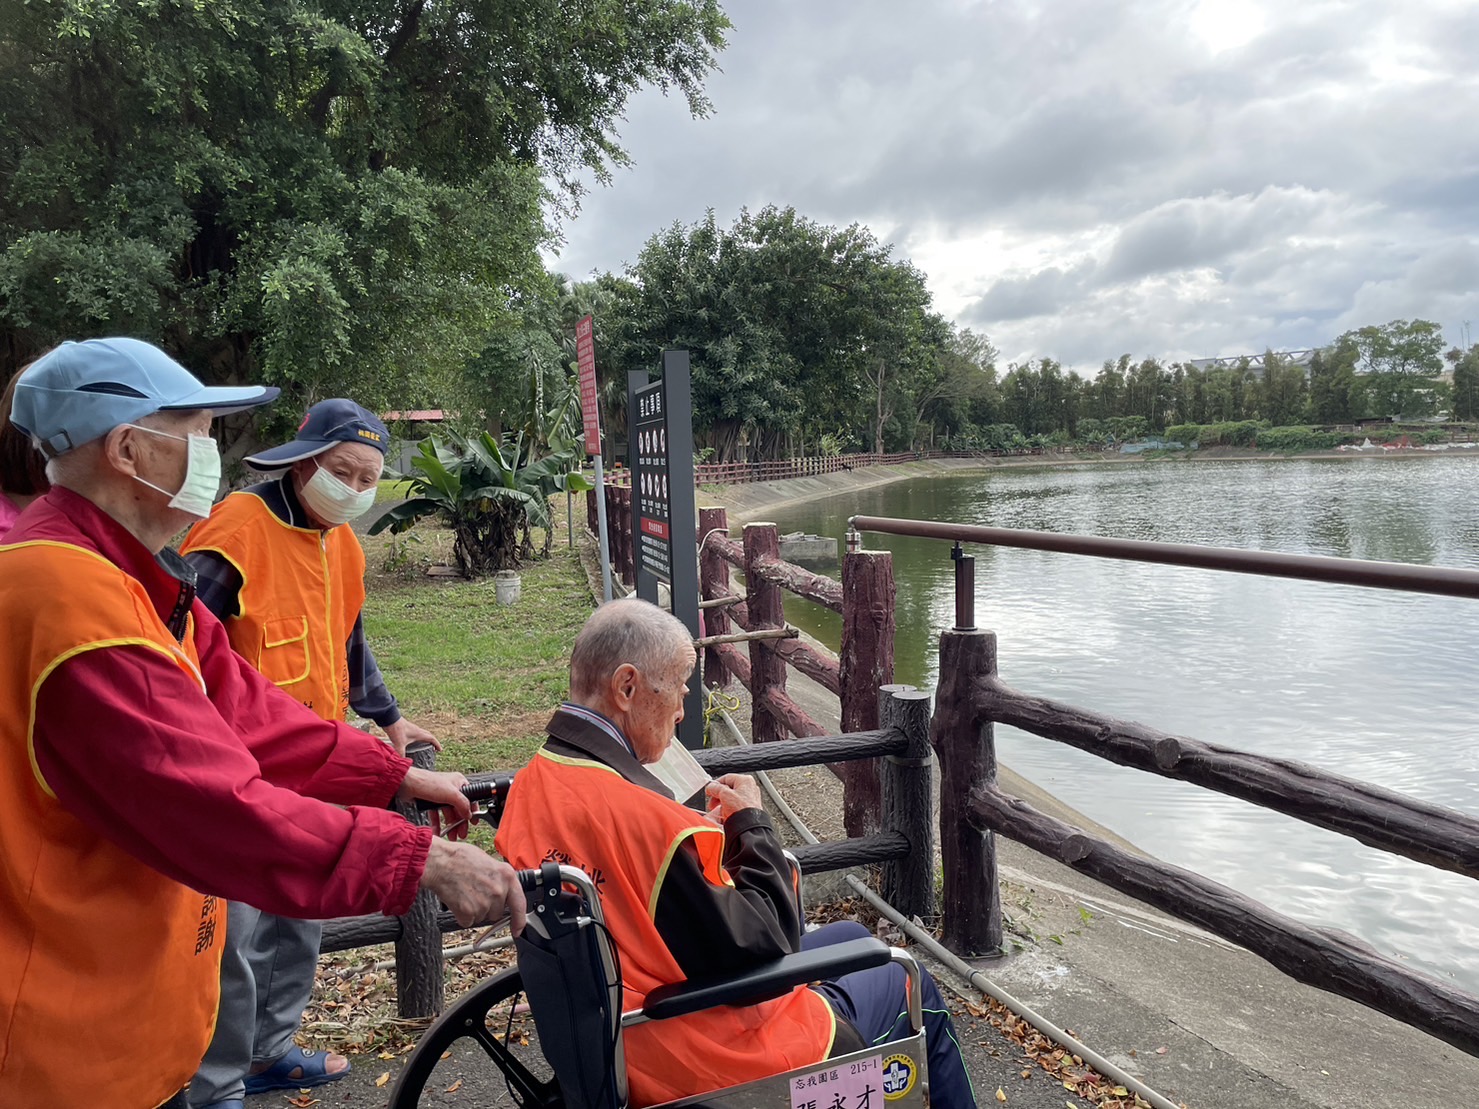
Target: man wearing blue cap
x=280 y=566
x=146 y=769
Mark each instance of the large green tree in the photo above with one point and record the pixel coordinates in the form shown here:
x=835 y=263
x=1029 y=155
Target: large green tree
x=795 y=330
x=333 y=196
x=1400 y=361
x=1466 y=385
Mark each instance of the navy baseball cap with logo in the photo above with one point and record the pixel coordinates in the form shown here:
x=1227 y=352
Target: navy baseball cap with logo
x=80 y=391
x=328 y=423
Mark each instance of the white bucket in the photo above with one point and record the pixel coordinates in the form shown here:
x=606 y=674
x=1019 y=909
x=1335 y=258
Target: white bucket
x=507 y=583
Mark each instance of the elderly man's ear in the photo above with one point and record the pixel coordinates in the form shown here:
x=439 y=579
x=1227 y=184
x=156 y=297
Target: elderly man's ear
x=625 y=680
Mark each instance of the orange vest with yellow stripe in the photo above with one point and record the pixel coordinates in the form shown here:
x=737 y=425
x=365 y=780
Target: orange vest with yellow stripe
x=586 y=814
x=109 y=970
x=302 y=590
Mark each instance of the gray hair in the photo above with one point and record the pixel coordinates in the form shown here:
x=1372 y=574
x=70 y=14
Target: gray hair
x=626 y=631
x=75 y=467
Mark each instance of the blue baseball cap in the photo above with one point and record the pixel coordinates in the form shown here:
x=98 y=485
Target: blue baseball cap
x=328 y=423
x=80 y=391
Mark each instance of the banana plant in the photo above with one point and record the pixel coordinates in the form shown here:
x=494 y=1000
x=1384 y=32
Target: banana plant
x=486 y=492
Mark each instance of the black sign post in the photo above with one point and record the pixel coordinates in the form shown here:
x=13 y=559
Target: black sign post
x=664 y=521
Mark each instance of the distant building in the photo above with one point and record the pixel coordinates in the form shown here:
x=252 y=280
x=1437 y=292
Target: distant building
x=1299 y=358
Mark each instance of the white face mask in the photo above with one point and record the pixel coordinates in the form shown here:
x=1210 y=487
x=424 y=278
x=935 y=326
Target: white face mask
x=202 y=473
x=332 y=501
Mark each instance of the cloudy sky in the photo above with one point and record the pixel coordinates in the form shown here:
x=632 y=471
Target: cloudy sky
x=1084 y=178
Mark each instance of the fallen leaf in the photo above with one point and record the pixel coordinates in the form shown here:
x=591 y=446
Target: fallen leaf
x=303 y=1101
x=1026 y=1074
x=387 y=1055
x=446 y=1055
x=1162 y=1050
x=452 y=1089
x=383 y=1079
x=1001 y=1095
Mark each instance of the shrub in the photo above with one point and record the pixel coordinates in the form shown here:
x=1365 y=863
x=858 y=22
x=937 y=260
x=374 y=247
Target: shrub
x=1292 y=439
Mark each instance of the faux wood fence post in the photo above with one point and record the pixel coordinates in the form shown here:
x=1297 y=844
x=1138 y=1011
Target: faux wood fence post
x=966 y=746
x=613 y=529
x=866 y=665
x=766 y=607
x=909 y=884
x=419 y=985
x=713 y=583
x=620 y=520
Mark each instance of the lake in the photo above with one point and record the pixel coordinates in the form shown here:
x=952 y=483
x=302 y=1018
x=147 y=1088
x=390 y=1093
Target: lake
x=1370 y=684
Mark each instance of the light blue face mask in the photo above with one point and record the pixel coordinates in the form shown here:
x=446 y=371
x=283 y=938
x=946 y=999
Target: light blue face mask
x=202 y=473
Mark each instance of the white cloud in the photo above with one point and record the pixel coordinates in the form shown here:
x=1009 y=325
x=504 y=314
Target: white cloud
x=1080 y=178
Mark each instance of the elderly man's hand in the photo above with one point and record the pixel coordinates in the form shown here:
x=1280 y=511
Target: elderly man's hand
x=731 y=794
x=478 y=888
x=441 y=788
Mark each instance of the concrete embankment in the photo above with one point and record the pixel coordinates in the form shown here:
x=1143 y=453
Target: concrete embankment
x=1199 y=1019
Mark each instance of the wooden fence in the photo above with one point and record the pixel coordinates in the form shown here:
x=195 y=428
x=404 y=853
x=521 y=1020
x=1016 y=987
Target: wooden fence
x=778 y=469
x=972 y=699
x=865 y=601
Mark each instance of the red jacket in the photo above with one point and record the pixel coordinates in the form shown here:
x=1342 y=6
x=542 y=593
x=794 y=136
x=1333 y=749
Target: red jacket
x=214 y=790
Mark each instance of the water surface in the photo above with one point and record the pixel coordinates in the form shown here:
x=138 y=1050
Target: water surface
x=1370 y=684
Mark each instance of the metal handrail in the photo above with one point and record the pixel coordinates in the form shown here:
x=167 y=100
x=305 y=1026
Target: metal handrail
x=1444 y=581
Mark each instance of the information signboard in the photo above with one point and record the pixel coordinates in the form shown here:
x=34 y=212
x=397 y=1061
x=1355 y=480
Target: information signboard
x=651 y=491
x=664 y=517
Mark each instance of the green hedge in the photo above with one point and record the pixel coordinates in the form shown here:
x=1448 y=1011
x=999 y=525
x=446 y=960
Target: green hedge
x=1292 y=439
x=1241 y=434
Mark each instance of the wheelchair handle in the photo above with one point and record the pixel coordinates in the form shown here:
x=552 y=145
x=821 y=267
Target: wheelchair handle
x=549 y=879
x=493 y=790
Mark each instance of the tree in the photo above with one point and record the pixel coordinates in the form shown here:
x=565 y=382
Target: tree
x=1283 y=391
x=963 y=369
x=794 y=330
x=337 y=197
x=1334 y=392
x=1401 y=361
x=1466 y=385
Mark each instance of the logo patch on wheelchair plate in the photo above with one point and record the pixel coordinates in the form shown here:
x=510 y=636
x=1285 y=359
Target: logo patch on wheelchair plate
x=899 y=1073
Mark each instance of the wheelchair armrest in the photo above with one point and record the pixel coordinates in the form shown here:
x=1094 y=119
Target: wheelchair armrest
x=767 y=980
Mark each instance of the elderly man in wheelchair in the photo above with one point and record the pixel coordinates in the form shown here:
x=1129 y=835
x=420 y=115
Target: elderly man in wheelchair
x=666 y=959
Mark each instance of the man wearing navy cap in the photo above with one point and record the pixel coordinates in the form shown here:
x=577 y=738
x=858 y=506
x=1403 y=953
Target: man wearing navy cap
x=146 y=769
x=280 y=566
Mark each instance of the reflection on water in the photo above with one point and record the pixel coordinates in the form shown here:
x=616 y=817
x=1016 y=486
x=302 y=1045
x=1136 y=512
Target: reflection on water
x=1369 y=684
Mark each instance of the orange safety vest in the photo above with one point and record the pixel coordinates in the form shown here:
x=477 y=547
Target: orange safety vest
x=624 y=836
x=302 y=590
x=109 y=971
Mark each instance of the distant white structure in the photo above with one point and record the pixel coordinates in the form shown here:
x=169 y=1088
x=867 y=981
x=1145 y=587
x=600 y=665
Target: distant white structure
x=1255 y=361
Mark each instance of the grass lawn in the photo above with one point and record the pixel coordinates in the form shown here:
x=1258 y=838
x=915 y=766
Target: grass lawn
x=483 y=677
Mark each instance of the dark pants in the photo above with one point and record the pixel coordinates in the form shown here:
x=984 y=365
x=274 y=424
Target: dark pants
x=875 y=1003
x=176 y=1102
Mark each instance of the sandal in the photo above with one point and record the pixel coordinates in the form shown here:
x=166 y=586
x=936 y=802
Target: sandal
x=311 y=1065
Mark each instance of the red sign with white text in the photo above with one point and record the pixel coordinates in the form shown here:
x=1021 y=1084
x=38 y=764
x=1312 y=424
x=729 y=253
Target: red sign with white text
x=585 y=353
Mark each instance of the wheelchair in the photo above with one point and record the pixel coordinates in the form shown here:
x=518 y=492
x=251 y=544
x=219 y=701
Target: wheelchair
x=569 y=970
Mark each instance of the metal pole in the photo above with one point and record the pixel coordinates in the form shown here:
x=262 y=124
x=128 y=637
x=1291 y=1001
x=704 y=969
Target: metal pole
x=601 y=533
x=965 y=589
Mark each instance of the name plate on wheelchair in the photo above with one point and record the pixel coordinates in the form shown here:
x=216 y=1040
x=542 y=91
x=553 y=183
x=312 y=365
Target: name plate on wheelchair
x=859 y=1082
x=890 y=1076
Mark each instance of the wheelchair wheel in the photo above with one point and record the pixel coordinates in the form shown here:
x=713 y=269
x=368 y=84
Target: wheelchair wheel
x=478 y=1016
